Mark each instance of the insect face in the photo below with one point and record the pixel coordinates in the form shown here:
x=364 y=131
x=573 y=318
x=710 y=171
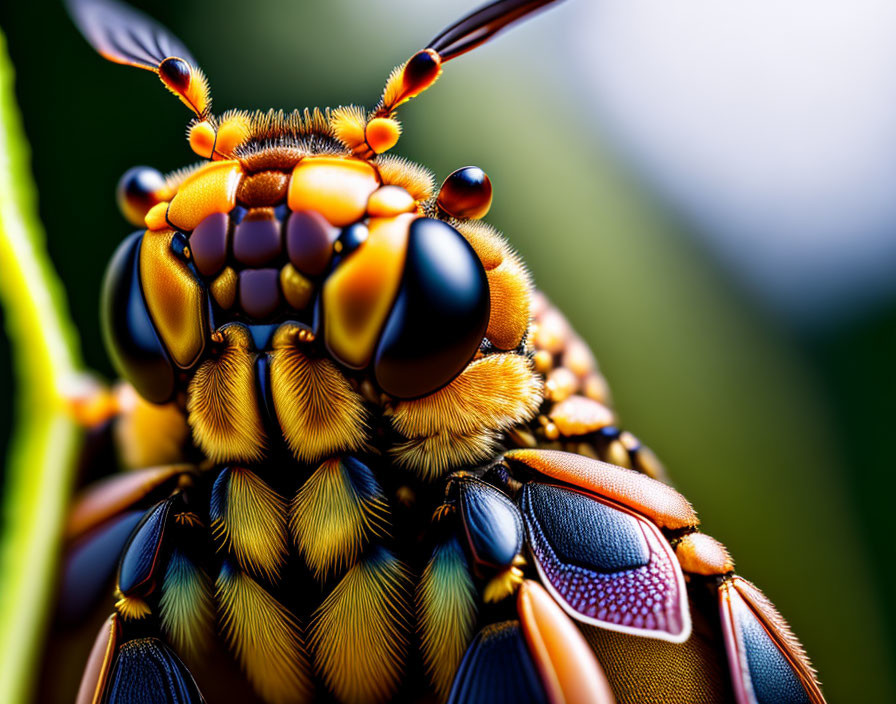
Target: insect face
x=301 y=285
x=322 y=242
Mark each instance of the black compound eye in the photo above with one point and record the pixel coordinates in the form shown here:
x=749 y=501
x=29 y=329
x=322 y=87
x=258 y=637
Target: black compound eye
x=128 y=330
x=440 y=314
x=466 y=193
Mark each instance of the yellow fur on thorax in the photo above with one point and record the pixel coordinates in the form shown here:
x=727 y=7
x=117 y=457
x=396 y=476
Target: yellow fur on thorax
x=266 y=639
x=331 y=523
x=359 y=634
x=253 y=527
x=459 y=424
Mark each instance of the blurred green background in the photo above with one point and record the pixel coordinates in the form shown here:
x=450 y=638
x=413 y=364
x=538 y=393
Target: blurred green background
x=779 y=434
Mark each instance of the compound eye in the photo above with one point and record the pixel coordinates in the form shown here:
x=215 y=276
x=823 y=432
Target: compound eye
x=466 y=193
x=130 y=335
x=440 y=314
x=138 y=190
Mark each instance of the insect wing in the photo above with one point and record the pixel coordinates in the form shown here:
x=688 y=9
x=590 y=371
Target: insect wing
x=767 y=663
x=124 y=35
x=147 y=671
x=481 y=25
x=605 y=565
x=497 y=667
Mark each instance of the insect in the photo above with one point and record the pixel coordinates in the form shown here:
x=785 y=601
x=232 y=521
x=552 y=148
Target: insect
x=368 y=462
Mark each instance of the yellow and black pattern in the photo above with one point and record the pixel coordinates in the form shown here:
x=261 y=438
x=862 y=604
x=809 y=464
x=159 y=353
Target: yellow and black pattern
x=399 y=473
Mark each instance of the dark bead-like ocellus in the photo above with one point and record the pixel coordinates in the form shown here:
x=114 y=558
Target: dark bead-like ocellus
x=466 y=193
x=176 y=73
x=352 y=237
x=138 y=190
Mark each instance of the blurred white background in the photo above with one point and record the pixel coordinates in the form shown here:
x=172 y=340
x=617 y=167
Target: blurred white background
x=785 y=112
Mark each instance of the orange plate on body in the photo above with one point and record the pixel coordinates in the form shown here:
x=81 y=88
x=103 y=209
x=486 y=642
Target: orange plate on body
x=99 y=663
x=177 y=303
x=662 y=504
x=336 y=188
x=699 y=553
x=567 y=665
x=211 y=189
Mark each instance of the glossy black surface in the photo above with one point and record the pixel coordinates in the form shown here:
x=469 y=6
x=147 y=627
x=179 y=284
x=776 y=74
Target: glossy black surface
x=140 y=560
x=176 y=73
x=583 y=531
x=130 y=336
x=421 y=69
x=492 y=523
x=147 y=671
x=265 y=396
x=352 y=237
x=439 y=316
x=497 y=667
x=90 y=565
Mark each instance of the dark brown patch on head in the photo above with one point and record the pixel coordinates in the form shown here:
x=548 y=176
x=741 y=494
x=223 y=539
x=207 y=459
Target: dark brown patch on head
x=273 y=158
x=263 y=188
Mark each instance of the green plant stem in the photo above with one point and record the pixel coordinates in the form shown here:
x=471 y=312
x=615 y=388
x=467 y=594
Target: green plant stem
x=45 y=440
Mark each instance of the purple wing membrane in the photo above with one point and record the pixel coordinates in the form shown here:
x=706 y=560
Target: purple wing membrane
x=606 y=565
